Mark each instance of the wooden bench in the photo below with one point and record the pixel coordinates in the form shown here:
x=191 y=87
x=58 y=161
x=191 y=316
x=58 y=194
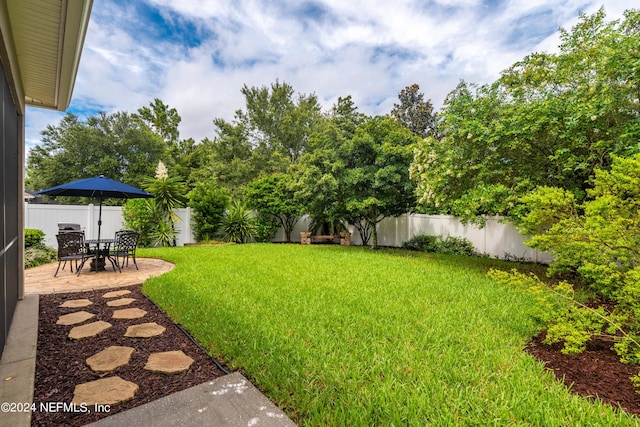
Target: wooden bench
x=330 y=238
x=306 y=238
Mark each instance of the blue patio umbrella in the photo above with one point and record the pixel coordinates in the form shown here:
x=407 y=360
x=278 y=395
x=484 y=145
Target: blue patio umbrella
x=98 y=186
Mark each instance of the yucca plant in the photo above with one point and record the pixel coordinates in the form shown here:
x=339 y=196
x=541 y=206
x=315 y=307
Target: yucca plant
x=238 y=225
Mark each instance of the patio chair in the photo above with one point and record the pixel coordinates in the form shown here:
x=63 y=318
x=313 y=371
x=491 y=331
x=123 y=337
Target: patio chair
x=71 y=248
x=124 y=246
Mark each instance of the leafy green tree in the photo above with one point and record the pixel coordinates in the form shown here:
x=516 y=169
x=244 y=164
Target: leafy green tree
x=317 y=174
x=271 y=133
x=414 y=113
x=274 y=196
x=375 y=175
x=360 y=180
x=209 y=202
x=114 y=145
x=551 y=119
x=164 y=121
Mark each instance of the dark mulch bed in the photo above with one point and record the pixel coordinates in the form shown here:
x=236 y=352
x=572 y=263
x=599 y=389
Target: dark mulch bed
x=597 y=372
x=60 y=362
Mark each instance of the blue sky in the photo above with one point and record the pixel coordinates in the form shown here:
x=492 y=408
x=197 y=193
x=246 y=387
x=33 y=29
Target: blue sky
x=196 y=55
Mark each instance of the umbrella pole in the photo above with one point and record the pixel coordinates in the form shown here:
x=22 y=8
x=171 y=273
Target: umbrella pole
x=99 y=217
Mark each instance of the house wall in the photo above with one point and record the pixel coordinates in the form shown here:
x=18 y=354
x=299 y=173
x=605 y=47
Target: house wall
x=11 y=240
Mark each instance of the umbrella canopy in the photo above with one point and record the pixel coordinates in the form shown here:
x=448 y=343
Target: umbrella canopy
x=98 y=186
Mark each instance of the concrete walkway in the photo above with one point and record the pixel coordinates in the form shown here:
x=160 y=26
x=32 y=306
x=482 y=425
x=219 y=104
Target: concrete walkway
x=230 y=400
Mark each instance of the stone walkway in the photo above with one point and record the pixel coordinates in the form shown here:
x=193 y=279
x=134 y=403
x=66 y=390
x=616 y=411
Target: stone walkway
x=113 y=390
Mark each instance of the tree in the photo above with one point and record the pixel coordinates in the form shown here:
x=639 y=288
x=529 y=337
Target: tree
x=114 y=145
x=164 y=121
x=551 y=119
x=317 y=173
x=375 y=175
x=414 y=113
x=360 y=180
x=267 y=137
x=209 y=202
x=274 y=197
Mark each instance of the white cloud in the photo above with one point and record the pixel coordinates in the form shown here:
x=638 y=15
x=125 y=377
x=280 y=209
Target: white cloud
x=200 y=57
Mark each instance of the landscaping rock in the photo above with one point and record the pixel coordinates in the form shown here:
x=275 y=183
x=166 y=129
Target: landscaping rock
x=110 y=358
x=168 y=362
x=106 y=391
x=120 y=302
x=144 y=330
x=73 y=318
x=115 y=294
x=88 y=330
x=129 y=313
x=75 y=303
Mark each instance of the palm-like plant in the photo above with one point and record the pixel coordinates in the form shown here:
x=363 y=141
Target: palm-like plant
x=238 y=225
x=170 y=194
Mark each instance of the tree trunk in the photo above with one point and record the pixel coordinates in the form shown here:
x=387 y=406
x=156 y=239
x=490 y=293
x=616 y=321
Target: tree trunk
x=374 y=236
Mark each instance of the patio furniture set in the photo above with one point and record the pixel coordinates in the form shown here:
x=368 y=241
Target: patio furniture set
x=74 y=248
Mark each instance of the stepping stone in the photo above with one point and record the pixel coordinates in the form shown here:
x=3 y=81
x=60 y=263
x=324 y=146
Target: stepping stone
x=110 y=358
x=73 y=318
x=75 y=303
x=144 y=330
x=121 y=301
x=106 y=391
x=129 y=313
x=168 y=362
x=88 y=330
x=116 y=294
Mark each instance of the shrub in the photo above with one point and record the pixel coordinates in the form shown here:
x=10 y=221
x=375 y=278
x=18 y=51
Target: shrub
x=456 y=246
x=238 y=225
x=266 y=228
x=422 y=243
x=437 y=244
x=39 y=255
x=33 y=237
x=209 y=203
x=140 y=215
x=598 y=240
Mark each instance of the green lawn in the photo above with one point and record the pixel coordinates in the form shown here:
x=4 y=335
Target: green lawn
x=350 y=336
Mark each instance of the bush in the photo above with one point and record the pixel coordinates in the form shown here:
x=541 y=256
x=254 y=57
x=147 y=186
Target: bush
x=266 y=228
x=33 y=237
x=140 y=215
x=209 y=203
x=598 y=241
x=238 y=225
x=422 y=243
x=39 y=255
x=437 y=244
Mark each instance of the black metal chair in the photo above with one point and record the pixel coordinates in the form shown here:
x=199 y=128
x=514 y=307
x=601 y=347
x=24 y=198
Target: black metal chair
x=71 y=248
x=124 y=246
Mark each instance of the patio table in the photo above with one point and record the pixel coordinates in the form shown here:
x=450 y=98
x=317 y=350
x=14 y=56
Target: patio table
x=101 y=248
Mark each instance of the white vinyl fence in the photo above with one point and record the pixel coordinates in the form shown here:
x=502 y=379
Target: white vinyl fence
x=47 y=217
x=496 y=239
